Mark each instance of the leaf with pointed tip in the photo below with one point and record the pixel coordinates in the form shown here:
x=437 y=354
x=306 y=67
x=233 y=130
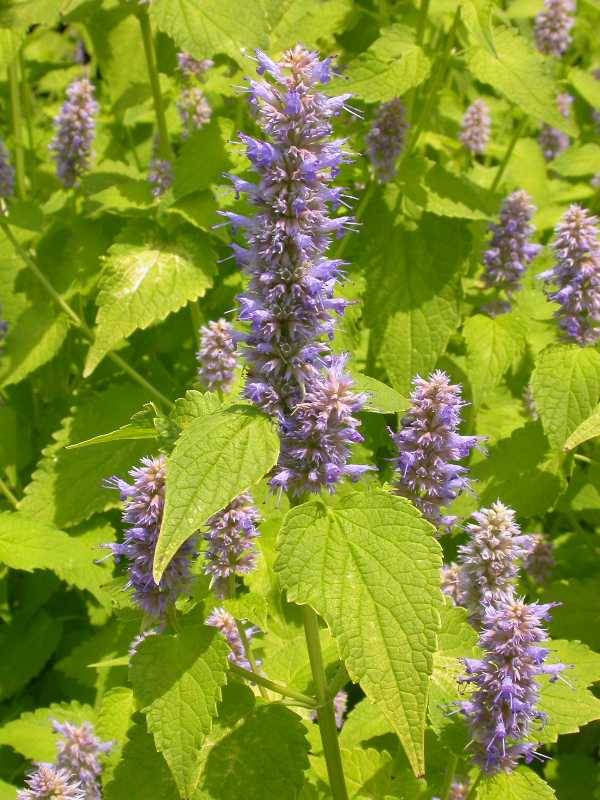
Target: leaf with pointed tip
x=522 y=784
x=32 y=734
x=370 y=568
x=588 y=429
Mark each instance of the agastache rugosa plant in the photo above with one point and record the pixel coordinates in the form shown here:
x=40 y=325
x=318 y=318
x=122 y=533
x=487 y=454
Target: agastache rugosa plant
x=48 y=782
x=75 y=132
x=7 y=173
x=217 y=356
x=552 y=141
x=386 y=138
x=476 y=127
x=553 y=27
x=79 y=752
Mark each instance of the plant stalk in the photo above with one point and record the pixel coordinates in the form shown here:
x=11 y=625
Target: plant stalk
x=284 y=691
x=164 y=144
x=504 y=163
x=8 y=494
x=422 y=22
x=76 y=319
x=325 y=712
x=17 y=126
x=449 y=777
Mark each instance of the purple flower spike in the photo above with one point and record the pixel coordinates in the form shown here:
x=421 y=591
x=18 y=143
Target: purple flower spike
x=217 y=356
x=79 y=752
x=230 y=537
x=160 y=176
x=577 y=276
x=290 y=306
x=192 y=67
x=340 y=706
x=76 y=130
x=3 y=331
x=144 y=503
x=386 y=138
x=510 y=250
x=48 y=782
x=7 y=173
x=502 y=710
x=316 y=439
x=539 y=562
x=553 y=26
x=476 y=127
x=451 y=581
x=428 y=445
x=194 y=110
x=552 y=141
x=489 y=562
x=226 y=623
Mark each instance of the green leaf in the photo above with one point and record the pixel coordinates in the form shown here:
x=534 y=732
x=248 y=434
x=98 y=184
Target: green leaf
x=450 y=195
x=569 y=704
x=147 y=275
x=578 y=160
x=370 y=569
x=382 y=398
x=142 y=772
x=519 y=73
x=375 y=80
x=32 y=341
x=523 y=784
x=177 y=681
x=67 y=486
x=588 y=429
x=264 y=755
x=116 y=708
x=32 y=735
x=195 y=404
x=494 y=345
x=201 y=162
x=586 y=85
x=566 y=389
x=578 y=615
x=29 y=544
x=212 y=26
x=216 y=458
x=413 y=292
x=141 y=427
x=26 y=646
x=306 y=21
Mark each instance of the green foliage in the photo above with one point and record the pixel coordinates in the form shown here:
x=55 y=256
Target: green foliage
x=520 y=785
x=32 y=735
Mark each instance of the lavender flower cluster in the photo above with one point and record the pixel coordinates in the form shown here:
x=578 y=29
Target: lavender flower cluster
x=577 y=276
x=76 y=773
x=230 y=537
x=193 y=107
x=428 y=446
x=217 y=357
x=553 y=27
x=3 y=330
x=552 y=141
x=476 y=127
x=7 y=173
x=160 y=175
x=289 y=304
x=230 y=628
x=76 y=130
x=144 y=503
x=386 y=138
x=510 y=249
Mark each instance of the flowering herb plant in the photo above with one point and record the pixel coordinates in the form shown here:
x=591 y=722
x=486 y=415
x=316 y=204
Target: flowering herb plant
x=299 y=400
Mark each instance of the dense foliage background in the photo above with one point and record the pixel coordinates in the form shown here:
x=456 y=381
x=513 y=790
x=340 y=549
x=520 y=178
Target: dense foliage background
x=104 y=286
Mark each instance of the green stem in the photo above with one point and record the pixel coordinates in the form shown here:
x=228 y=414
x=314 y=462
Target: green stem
x=17 y=126
x=8 y=494
x=422 y=22
x=504 y=163
x=473 y=789
x=164 y=145
x=76 y=319
x=250 y=656
x=449 y=777
x=325 y=712
x=339 y=680
x=284 y=691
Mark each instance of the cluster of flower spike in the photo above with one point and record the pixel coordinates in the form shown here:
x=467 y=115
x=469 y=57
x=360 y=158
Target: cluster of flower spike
x=577 y=276
x=217 y=356
x=552 y=141
x=230 y=537
x=289 y=304
x=489 y=562
x=501 y=711
x=510 y=249
x=192 y=67
x=553 y=27
x=160 y=175
x=385 y=140
x=193 y=107
x=539 y=562
x=144 y=503
x=476 y=127
x=76 y=773
x=7 y=173
x=429 y=446
x=227 y=625
x=76 y=129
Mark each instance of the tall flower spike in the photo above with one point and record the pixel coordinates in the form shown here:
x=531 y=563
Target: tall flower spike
x=217 y=356
x=226 y=624
x=539 y=562
x=386 y=138
x=3 y=331
x=79 y=752
x=552 y=141
x=230 y=537
x=144 y=503
x=48 y=782
x=489 y=562
x=502 y=711
x=160 y=176
x=577 y=276
x=428 y=444
x=194 y=110
x=553 y=27
x=7 y=173
x=192 y=67
x=76 y=130
x=289 y=304
x=510 y=249
x=476 y=127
